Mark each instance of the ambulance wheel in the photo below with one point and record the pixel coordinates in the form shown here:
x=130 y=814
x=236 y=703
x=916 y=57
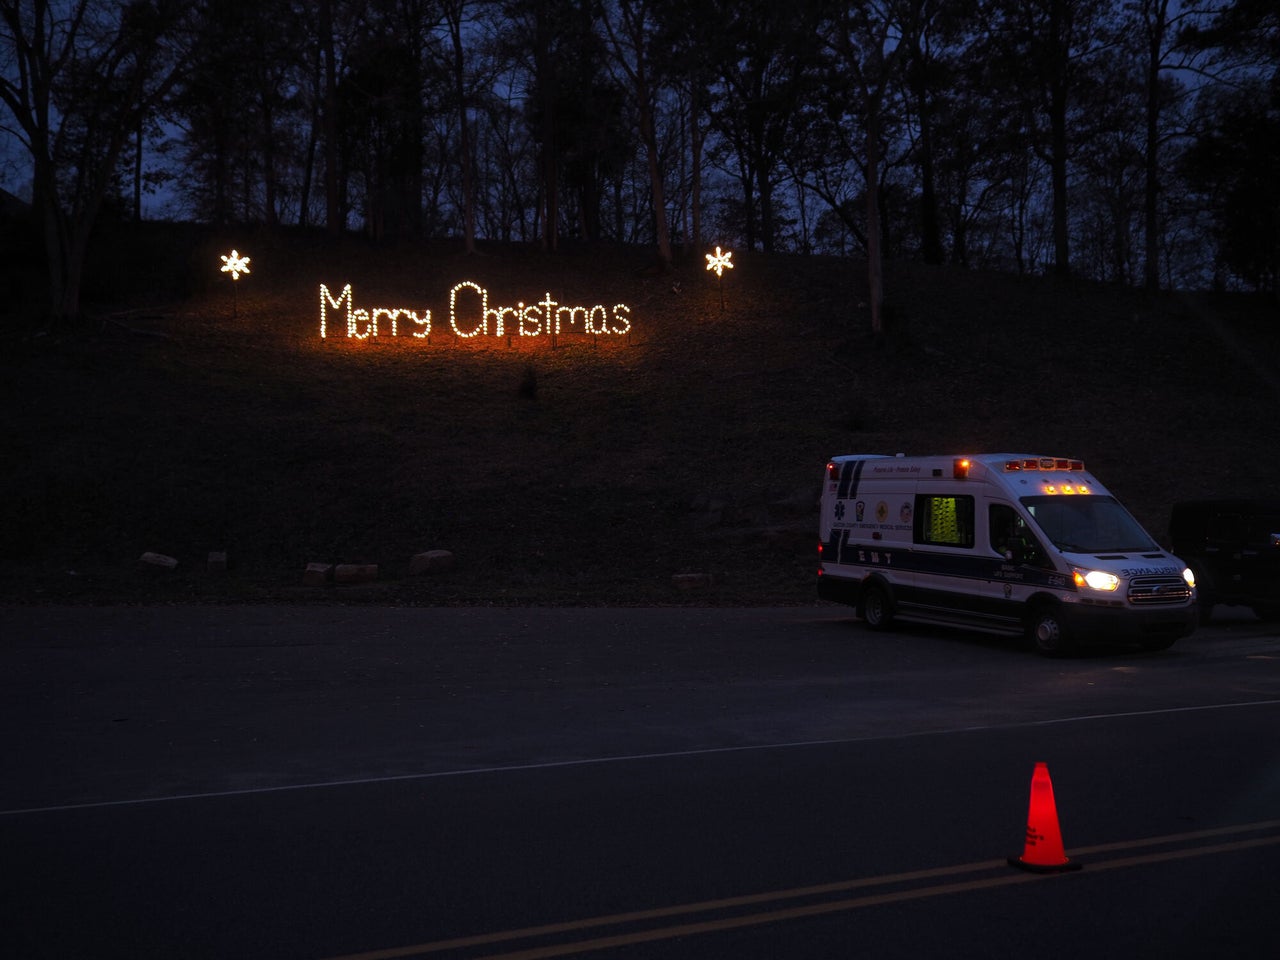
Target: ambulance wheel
x=1047 y=632
x=877 y=608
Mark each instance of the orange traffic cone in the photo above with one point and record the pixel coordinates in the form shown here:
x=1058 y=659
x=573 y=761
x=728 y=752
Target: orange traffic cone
x=1043 y=851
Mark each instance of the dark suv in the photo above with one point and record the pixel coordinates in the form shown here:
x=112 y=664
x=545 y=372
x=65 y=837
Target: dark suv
x=1233 y=547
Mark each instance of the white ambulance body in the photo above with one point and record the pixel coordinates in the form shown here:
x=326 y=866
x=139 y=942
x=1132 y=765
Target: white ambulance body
x=1005 y=543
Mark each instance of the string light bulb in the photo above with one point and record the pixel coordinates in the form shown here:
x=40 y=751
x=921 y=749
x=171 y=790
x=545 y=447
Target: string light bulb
x=546 y=317
x=720 y=262
x=235 y=265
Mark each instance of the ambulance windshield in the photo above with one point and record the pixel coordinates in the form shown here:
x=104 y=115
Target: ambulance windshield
x=1088 y=524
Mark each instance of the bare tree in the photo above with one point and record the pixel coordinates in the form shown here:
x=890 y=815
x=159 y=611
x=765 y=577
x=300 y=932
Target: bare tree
x=455 y=15
x=1042 y=54
x=866 y=39
x=630 y=40
x=82 y=77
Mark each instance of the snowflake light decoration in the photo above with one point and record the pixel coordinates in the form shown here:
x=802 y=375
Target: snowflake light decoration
x=719 y=262
x=235 y=265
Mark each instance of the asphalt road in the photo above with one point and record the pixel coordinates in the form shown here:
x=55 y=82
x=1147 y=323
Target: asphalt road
x=341 y=782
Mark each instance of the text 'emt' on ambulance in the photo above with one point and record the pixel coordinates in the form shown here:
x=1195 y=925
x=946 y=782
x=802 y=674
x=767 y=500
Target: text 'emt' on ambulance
x=1006 y=543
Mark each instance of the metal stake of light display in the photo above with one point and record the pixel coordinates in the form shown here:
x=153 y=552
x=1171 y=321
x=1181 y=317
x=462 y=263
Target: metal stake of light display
x=719 y=262
x=235 y=265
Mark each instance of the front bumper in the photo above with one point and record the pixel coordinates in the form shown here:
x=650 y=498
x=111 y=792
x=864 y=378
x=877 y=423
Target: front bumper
x=1100 y=621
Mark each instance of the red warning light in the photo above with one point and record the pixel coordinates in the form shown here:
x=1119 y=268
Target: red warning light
x=960 y=468
x=833 y=472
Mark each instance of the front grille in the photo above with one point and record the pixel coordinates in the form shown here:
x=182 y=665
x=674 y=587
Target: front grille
x=1158 y=590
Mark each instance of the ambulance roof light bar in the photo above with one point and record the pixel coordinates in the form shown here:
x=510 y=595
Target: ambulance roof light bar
x=1043 y=463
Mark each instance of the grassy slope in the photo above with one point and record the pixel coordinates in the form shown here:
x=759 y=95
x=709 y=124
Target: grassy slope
x=694 y=445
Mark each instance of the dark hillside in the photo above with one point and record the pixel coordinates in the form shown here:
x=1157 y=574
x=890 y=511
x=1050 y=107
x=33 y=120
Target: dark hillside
x=588 y=471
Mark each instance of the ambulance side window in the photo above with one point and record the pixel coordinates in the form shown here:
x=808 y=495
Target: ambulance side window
x=944 y=520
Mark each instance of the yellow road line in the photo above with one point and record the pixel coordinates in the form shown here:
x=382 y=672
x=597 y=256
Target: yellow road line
x=825 y=907
x=658 y=913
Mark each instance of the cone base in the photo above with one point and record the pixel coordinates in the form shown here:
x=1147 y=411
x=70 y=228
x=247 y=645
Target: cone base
x=1063 y=867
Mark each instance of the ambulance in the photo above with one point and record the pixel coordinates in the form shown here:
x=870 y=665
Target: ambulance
x=1007 y=543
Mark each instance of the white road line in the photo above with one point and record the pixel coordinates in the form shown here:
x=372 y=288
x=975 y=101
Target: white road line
x=627 y=758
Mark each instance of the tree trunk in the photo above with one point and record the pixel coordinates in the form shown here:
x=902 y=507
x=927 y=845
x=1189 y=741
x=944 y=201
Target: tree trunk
x=695 y=190
x=454 y=13
x=332 y=196
x=930 y=228
x=645 y=105
x=549 y=166
x=270 y=180
x=137 y=175
x=1151 y=198
x=875 y=268
x=764 y=188
x=1058 y=175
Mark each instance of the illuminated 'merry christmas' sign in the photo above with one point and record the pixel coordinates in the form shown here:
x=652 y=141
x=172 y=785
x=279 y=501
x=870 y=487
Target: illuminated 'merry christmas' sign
x=469 y=316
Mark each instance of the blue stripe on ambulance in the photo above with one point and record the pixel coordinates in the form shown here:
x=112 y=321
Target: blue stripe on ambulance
x=868 y=558
x=831 y=550
x=850 y=474
x=846 y=474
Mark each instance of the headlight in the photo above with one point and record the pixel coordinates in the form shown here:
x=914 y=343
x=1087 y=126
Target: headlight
x=1096 y=580
x=1188 y=576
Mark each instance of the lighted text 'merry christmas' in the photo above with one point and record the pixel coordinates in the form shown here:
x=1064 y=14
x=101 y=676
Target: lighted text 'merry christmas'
x=470 y=315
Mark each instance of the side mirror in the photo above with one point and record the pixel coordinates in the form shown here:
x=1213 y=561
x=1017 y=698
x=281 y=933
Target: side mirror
x=1275 y=540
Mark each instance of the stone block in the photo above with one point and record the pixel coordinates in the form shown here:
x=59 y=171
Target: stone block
x=687 y=582
x=156 y=561
x=317 y=574
x=431 y=561
x=355 y=573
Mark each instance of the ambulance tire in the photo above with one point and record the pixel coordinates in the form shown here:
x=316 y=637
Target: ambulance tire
x=876 y=606
x=1047 y=632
